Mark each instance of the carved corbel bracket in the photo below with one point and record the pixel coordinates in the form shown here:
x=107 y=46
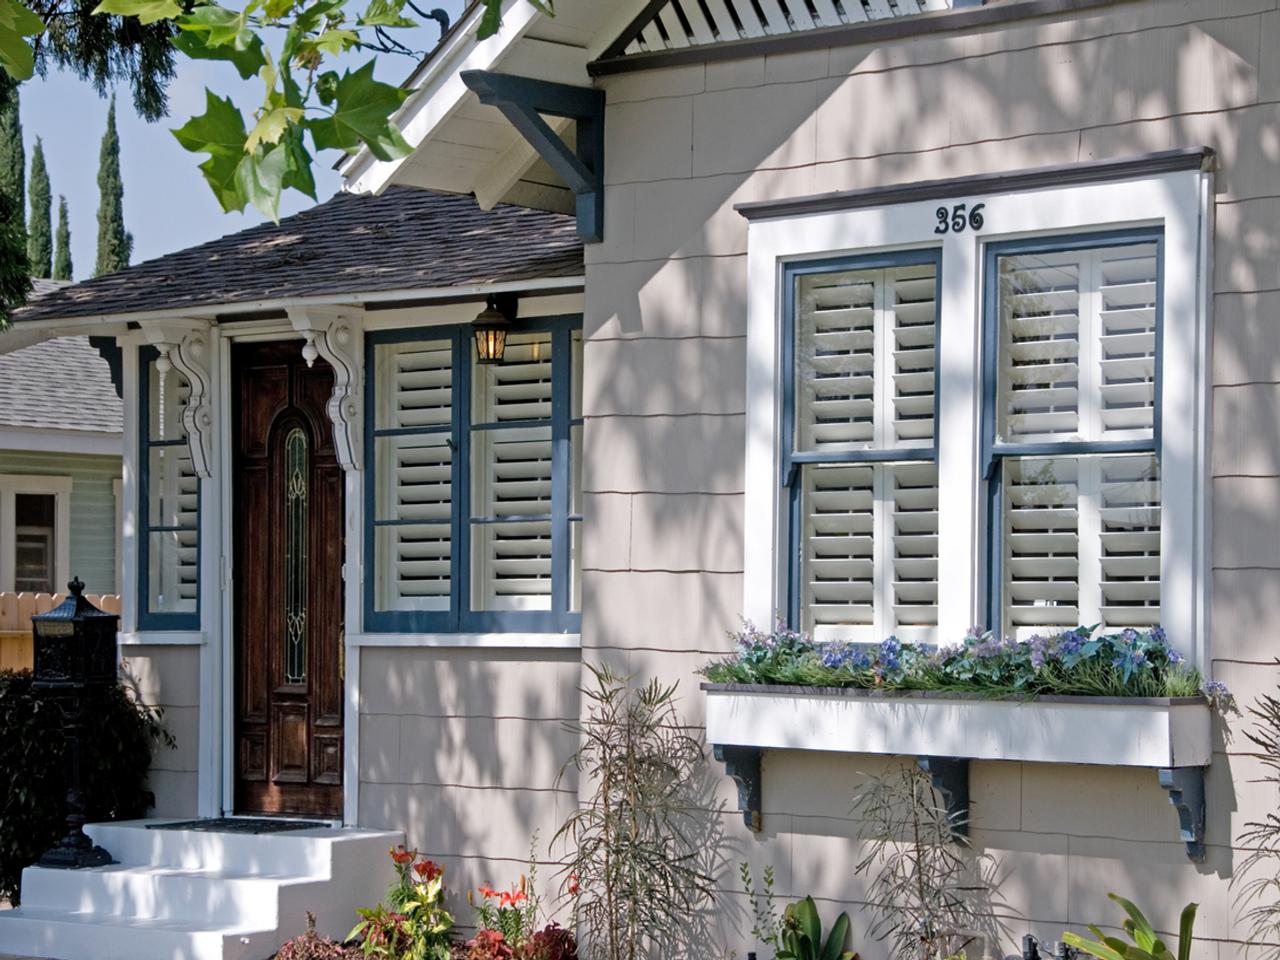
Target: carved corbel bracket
x=337 y=336
x=743 y=765
x=950 y=777
x=1185 y=786
x=187 y=347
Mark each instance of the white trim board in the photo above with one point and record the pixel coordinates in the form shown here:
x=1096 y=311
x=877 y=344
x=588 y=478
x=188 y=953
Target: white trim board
x=1180 y=202
x=54 y=440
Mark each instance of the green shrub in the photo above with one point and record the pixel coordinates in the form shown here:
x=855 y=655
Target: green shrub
x=119 y=737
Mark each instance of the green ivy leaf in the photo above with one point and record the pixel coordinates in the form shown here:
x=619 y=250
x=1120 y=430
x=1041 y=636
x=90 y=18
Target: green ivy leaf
x=362 y=115
x=219 y=132
x=147 y=11
x=16 y=22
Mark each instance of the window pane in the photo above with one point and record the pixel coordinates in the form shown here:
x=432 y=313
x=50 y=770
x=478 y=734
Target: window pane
x=869 y=558
x=1077 y=348
x=415 y=492
x=172 y=562
x=865 y=357
x=34 y=542
x=415 y=384
x=172 y=487
x=1081 y=543
x=511 y=479
x=167 y=397
x=518 y=388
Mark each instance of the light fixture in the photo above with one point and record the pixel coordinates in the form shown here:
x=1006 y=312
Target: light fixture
x=490 y=328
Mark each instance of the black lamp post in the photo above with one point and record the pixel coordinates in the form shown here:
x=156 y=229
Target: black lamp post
x=75 y=655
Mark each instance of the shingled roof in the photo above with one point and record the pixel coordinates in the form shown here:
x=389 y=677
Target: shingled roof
x=61 y=384
x=406 y=239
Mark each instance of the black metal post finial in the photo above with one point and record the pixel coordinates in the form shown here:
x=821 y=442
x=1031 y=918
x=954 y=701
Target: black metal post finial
x=76 y=586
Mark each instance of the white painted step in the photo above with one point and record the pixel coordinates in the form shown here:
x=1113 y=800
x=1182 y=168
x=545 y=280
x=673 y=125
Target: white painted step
x=28 y=932
x=196 y=895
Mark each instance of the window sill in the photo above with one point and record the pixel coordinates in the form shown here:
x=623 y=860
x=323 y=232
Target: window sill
x=534 y=641
x=161 y=638
x=945 y=731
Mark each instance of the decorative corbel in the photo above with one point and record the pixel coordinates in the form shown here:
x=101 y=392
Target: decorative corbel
x=743 y=765
x=185 y=345
x=337 y=335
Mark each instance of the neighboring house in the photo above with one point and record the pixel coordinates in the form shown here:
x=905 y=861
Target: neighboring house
x=1050 y=229
x=61 y=439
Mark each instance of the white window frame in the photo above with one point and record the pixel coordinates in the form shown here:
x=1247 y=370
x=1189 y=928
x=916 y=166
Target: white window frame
x=12 y=484
x=1179 y=202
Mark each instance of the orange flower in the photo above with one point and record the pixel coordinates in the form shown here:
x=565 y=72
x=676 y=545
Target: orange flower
x=486 y=892
x=511 y=899
x=427 y=870
x=401 y=856
x=573 y=884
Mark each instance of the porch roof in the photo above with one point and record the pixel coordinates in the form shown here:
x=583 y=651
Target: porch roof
x=61 y=384
x=403 y=240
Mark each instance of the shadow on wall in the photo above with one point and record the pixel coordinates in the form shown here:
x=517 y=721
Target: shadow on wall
x=665 y=374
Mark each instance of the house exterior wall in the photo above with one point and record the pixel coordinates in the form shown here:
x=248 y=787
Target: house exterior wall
x=93 y=508
x=665 y=365
x=166 y=677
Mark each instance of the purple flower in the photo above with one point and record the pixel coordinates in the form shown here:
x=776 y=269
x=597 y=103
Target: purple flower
x=1175 y=657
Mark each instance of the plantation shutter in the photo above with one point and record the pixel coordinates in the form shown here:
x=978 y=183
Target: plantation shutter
x=414 y=500
x=173 y=497
x=864 y=378
x=1078 y=345
x=511 y=477
x=1081 y=543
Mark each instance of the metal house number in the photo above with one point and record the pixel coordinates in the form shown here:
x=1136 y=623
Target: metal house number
x=955 y=219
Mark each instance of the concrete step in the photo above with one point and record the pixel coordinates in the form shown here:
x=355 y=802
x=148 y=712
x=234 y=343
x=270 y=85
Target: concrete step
x=195 y=895
x=171 y=893
x=28 y=932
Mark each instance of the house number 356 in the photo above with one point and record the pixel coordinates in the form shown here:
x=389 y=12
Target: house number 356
x=955 y=219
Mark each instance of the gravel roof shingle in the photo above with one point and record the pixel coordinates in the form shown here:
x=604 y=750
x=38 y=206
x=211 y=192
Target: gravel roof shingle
x=405 y=239
x=61 y=384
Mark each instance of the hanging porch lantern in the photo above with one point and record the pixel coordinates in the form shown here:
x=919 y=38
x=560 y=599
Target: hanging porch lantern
x=490 y=328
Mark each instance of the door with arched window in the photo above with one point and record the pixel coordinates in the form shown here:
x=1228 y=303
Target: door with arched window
x=287 y=509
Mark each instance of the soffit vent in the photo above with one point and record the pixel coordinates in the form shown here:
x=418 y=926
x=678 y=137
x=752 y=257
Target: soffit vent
x=692 y=23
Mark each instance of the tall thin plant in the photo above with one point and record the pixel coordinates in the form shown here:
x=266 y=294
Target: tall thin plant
x=634 y=852
x=1259 y=872
x=926 y=887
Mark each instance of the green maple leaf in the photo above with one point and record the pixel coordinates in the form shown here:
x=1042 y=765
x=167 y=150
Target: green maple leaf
x=247 y=61
x=271 y=126
x=385 y=13
x=147 y=11
x=219 y=132
x=297 y=173
x=17 y=22
x=260 y=179
x=362 y=115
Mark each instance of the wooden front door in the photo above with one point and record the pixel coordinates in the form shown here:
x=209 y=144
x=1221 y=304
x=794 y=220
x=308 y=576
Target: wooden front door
x=288 y=585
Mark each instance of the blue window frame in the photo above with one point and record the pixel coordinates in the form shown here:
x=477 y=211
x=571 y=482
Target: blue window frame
x=471 y=501
x=168 y=504
x=1071 y=427
x=862 y=549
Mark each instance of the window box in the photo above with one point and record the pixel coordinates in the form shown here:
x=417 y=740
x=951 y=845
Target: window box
x=946 y=730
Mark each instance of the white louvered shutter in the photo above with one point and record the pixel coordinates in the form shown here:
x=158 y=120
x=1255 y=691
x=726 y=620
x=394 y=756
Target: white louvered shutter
x=838 y=553
x=1129 y=529
x=1081 y=543
x=511 y=479
x=414 y=475
x=1077 y=345
x=864 y=380
x=173 y=492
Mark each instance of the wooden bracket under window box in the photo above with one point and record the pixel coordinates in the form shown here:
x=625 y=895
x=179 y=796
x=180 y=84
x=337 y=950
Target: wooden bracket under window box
x=1171 y=735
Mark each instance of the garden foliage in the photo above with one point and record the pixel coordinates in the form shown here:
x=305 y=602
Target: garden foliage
x=1145 y=942
x=117 y=752
x=415 y=925
x=1083 y=662
x=1258 y=873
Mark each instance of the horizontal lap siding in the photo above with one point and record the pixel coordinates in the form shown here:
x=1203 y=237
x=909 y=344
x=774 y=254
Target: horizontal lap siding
x=665 y=330
x=463 y=751
x=167 y=678
x=93 y=509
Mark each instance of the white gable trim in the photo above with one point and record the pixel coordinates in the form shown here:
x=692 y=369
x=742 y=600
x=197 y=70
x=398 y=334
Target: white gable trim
x=54 y=440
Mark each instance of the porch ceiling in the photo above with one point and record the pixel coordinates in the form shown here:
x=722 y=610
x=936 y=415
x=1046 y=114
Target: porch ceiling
x=405 y=240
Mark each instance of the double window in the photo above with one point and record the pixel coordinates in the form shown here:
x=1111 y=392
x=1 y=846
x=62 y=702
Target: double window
x=1069 y=455
x=169 y=502
x=472 y=487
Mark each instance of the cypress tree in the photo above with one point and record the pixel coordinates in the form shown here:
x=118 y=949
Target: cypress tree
x=39 y=225
x=115 y=243
x=12 y=151
x=62 y=244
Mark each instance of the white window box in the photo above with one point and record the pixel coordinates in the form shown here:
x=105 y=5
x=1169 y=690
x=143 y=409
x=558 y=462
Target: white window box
x=946 y=730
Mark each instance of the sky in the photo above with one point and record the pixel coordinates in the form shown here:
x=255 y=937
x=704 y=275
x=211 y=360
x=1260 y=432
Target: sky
x=167 y=204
